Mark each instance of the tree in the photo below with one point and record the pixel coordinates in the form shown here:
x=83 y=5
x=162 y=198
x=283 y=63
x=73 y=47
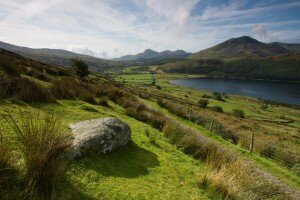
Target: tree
x=82 y=69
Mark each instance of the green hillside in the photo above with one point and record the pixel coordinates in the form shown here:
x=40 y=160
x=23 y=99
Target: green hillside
x=61 y=57
x=174 y=153
x=283 y=67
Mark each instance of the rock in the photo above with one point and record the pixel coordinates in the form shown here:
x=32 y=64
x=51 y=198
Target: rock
x=102 y=135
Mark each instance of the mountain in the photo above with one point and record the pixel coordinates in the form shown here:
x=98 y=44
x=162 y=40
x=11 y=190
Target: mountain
x=60 y=57
x=241 y=47
x=150 y=55
x=292 y=47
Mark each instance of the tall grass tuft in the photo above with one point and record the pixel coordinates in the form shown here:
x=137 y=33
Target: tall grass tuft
x=8 y=174
x=43 y=145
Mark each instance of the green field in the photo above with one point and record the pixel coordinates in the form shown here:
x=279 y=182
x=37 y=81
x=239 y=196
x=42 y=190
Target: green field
x=140 y=170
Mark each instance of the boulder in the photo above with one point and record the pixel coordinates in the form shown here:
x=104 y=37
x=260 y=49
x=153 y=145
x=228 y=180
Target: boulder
x=100 y=135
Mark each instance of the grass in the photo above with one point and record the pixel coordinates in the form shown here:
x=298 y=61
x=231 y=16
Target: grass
x=265 y=163
x=43 y=145
x=149 y=167
x=265 y=123
x=141 y=170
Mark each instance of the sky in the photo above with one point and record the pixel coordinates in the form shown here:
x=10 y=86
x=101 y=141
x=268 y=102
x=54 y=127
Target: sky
x=113 y=28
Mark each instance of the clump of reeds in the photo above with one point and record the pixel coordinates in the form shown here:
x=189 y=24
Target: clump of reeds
x=43 y=144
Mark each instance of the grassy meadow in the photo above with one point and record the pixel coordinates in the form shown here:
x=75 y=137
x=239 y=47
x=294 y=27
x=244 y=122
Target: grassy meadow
x=173 y=154
x=144 y=169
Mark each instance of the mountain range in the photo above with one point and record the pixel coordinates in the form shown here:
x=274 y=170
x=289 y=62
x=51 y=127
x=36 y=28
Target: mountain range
x=149 y=54
x=232 y=49
x=60 y=57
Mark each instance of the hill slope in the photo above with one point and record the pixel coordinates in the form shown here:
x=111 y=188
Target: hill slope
x=154 y=56
x=292 y=47
x=59 y=57
x=241 y=47
x=281 y=67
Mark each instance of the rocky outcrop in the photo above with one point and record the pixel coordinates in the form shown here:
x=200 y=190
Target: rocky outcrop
x=100 y=135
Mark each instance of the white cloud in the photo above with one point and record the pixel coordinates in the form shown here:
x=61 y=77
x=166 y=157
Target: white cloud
x=110 y=29
x=260 y=32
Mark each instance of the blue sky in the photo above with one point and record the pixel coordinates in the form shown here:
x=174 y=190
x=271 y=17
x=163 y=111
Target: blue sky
x=112 y=28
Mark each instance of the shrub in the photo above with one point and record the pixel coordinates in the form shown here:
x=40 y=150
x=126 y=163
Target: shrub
x=43 y=145
x=25 y=90
x=39 y=75
x=114 y=94
x=158 y=87
x=221 y=185
x=217 y=108
x=217 y=96
x=10 y=67
x=71 y=88
x=205 y=96
x=66 y=88
x=82 y=69
x=264 y=106
x=202 y=103
x=161 y=103
x=88 y=97
x=238 y=113
x=103 y=102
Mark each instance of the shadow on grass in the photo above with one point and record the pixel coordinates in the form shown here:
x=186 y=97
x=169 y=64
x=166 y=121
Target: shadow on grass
x=71 y=192
x=129 y=161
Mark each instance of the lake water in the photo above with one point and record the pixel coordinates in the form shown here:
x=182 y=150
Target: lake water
x=278 y=91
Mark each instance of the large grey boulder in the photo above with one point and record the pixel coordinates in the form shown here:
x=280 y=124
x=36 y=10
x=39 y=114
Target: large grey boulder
x=101 y=135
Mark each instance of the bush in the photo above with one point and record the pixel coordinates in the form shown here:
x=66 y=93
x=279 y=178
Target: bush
x=82 y=69
x=10 y=67
x=202 y=103
x=205 y=96
x=114 y=94
x=88 y=97
x=238 y=113
x=43 y=144
x=217 y=109
x=39 y=75
x=25 y=90
x=221 y=185
x=66 y=88
x=264 y=106
x=71 y=88
x=158 y=87
x=217 y=96
x=103 y=102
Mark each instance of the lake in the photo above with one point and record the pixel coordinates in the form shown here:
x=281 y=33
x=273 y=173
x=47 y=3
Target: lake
x=273 y=90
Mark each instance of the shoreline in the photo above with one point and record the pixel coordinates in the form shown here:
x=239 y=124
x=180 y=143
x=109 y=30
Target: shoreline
x=233 y=78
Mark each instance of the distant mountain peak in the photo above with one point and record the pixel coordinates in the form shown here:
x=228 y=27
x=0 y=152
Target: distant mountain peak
x=149 y=51
x=241 y=47
x=151 y=55
x=241 y=40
